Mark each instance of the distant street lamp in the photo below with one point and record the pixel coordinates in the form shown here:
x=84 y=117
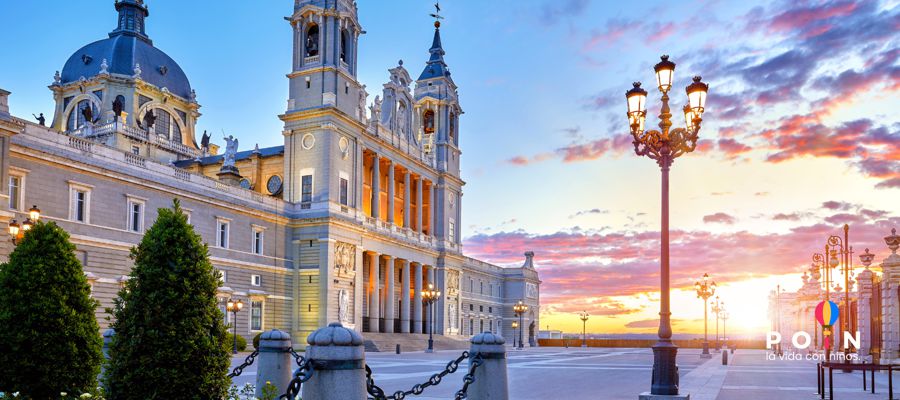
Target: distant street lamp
x=724 y=334
x=520 y=309
x=704 y=291
x=716 y=307
x=664 y=146
x=515 y=325
x=16 y=231
x=429 y=296
x=233 y=306
x=584 y=317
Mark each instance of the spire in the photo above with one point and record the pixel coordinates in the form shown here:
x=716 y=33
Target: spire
x=436 y=67
x=131 y=19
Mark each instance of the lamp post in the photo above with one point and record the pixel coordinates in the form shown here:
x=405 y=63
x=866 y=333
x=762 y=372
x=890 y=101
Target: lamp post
x=17 y=231
x=715 y=309
x=520 y=309
x=724 y=335
x=704 y=291
x=584 y=317
x=429 y=296
x=664 y=146
x=233 y=306
x=515 y=325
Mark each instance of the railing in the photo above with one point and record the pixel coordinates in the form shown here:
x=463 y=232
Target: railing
x=41 y=137
x=310 y=60
x=135 y=160
x=133 y=133
x=85 y=146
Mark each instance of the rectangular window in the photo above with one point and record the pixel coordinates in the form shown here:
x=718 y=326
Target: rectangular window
x=306 y=191
x=79 y=202
x=345 y=188
x=258 y=235
x=255 y=280
x=256 y=310
x=135 y=215
x=223 y=277
x=452 y=231
x=135 y=150
x=222 y=233
x=15 y=190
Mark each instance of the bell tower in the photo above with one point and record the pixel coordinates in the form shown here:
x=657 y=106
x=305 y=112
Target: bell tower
x=437 y=114
x=326 y=104
x=324 y=66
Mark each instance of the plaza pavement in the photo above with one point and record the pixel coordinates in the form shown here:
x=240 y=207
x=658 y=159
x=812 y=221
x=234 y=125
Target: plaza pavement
x=616 y=373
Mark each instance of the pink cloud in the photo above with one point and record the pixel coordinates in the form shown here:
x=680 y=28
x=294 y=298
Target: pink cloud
x=719 y=218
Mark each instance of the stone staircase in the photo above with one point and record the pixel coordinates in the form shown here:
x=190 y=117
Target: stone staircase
x=387 y=342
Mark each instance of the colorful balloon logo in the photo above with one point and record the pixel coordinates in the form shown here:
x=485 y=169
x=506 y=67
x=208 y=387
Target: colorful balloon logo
x=827 y=314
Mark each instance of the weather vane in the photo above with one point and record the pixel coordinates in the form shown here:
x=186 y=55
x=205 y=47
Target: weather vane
x=437 y=14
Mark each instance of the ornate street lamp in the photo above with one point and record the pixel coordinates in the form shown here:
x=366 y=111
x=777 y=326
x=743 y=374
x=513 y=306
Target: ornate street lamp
x=233 y=306
x=429 y=296
x=584 y=317
x=515 y=325
x=17 y=231
x=520 y=309
x=664 y=146
x=704 y=291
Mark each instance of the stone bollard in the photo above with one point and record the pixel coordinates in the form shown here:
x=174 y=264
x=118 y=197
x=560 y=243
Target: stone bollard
x=274 y=361
x=338 y=361
x=490 y=378
x=725 y=357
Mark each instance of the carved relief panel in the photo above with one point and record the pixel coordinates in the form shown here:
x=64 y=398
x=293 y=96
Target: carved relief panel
x=345 y=259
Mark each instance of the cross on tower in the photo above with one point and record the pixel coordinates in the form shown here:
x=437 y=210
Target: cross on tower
x=437 y=12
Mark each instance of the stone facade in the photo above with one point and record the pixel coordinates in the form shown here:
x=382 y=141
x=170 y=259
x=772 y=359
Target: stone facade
x=348 y=221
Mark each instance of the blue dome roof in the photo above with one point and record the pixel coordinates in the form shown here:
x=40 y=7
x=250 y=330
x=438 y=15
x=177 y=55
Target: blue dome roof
x=126 y=47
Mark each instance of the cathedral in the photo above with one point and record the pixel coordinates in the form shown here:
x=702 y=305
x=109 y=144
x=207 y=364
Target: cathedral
x=355 y=216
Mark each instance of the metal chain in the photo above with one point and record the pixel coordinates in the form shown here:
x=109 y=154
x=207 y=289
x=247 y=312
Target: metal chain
x=301 y=374
x=469 y=378
x=378 y=394
x=247 y=362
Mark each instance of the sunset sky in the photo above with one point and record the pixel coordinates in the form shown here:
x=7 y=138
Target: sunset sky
x=801 y=133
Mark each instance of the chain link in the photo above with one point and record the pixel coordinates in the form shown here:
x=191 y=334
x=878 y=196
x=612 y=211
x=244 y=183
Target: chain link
x=247 y=362
x=462 y=394
x=378 y=394
x=302 y=374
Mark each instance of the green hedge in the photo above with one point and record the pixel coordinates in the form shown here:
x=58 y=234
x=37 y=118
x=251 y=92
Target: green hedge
x=241 y=342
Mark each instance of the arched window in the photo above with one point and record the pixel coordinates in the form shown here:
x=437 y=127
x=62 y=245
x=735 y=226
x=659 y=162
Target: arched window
x=428 y=121
x=166 y=126
x=312 y=40
x=345 y=39
x=452 y=130
x=77 y=115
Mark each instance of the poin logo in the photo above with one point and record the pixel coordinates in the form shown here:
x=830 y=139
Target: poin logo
x=827 y=314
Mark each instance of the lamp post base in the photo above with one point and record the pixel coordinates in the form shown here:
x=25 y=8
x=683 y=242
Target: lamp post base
x=665 y=369
x=650 y=396
x=705 y=353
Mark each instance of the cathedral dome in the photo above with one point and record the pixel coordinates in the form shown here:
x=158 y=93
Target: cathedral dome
x=126 y=48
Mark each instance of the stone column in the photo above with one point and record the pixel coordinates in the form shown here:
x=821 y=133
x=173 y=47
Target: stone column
x=338 y=359
x=389 y=294
x=358 y=178
x=430 y=311
x=274 y=361
x=406 y=198
x=404 y=296
x=419 y=204
x=490 y=378
x=376 y=188
x=864 y=314
x=417 y=299
x=375 y=296
x=432 y=209
x=390 y=202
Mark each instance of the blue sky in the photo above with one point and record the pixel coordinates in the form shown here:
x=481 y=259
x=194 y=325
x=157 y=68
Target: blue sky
x=801 y=133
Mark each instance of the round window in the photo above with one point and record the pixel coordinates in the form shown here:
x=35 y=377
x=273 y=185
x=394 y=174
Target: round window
x=245 y=183
x=274 y=185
